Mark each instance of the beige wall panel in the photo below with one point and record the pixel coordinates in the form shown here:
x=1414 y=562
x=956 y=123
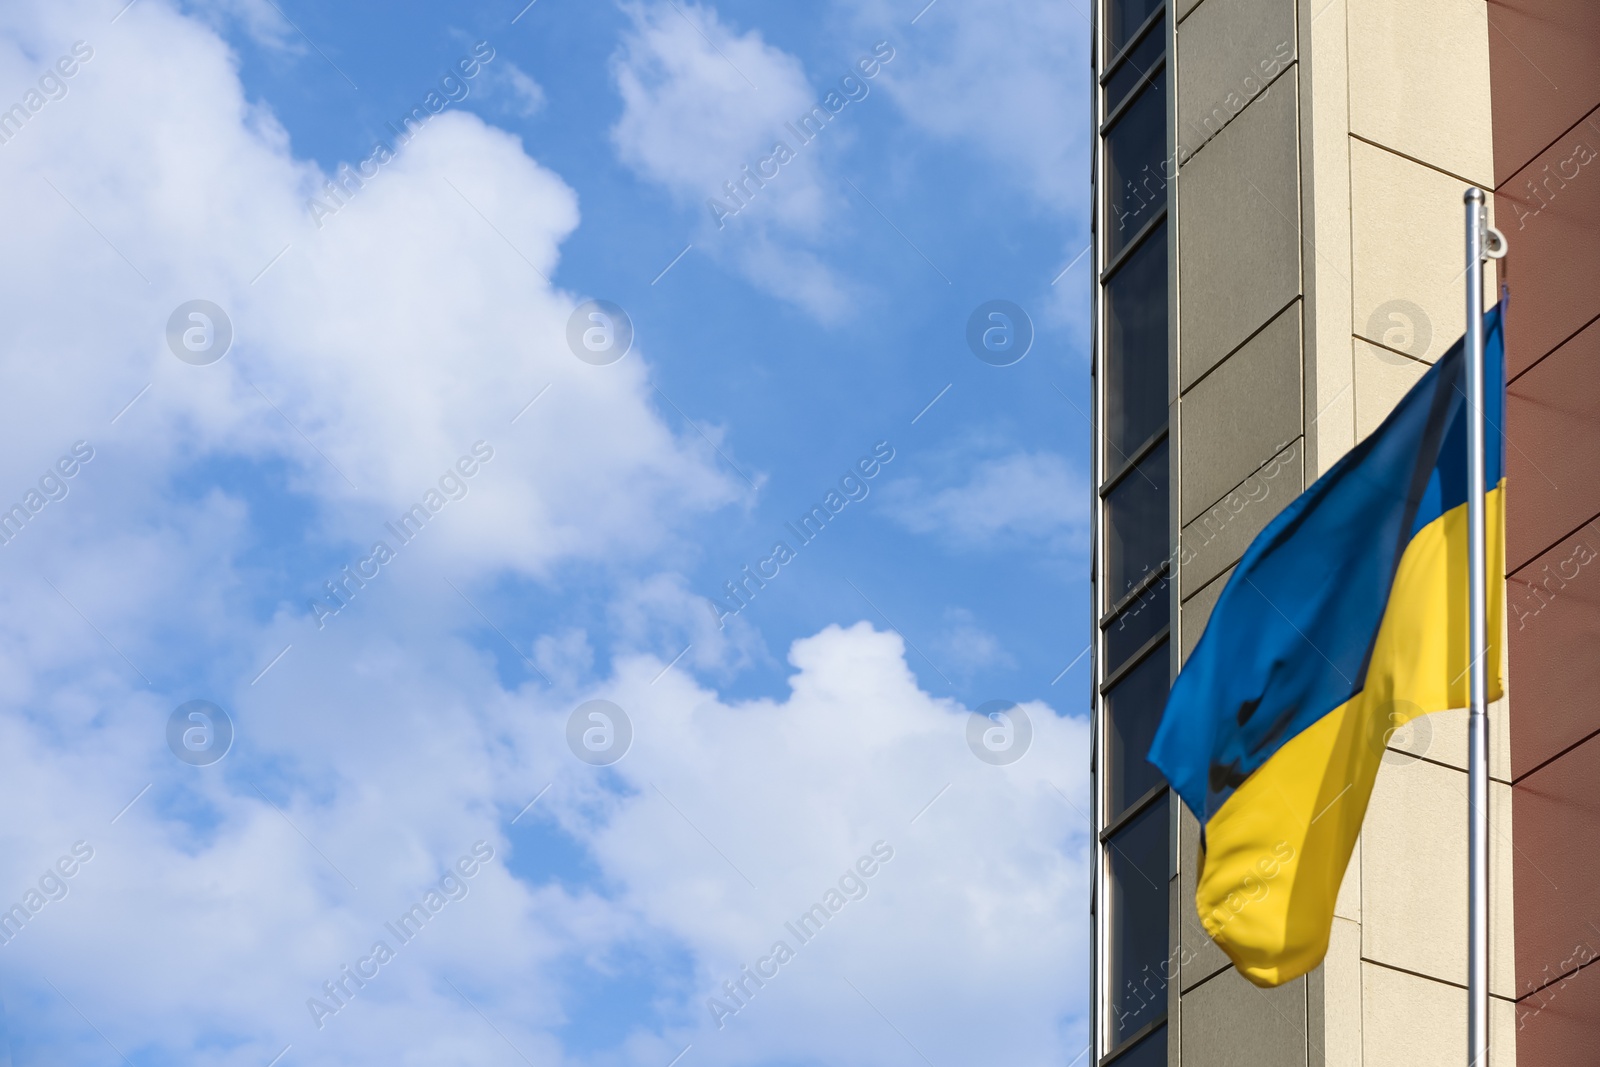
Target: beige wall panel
x=1414 y=874
x=1242 y=414
x=1340 y=1034
x=1407 y=244
x=1382 y=378
x=1228 y=52
x=1330 y=393
x=1404 y=332
x=1347 y=904
x=1442 y=737
x=1239 y=231
x=1227 y=1022
x=1419 y=82
x=1502 y=1032
x=1214 y=541
x=1408 y=1021
x=1325 y=257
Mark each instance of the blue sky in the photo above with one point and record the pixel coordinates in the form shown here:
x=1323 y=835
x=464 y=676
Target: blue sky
x=413 y=340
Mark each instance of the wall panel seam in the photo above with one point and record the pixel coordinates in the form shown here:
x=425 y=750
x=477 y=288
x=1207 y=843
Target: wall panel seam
x=1272 y=318
x=1354 y=136
x=1562 y=977
x=1537 y=556
x=1586 y=117
x=1518 y=781
x=1294 y=66
x=1558 y=346
x=1435 y=979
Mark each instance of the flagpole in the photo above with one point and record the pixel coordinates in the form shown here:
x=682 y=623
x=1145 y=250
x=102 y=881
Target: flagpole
x=1478 y=721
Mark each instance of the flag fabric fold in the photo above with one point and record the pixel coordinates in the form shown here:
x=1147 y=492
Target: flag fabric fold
x=1346 y=618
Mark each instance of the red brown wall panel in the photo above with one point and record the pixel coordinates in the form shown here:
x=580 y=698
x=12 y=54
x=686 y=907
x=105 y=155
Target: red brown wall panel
x=1545 y=76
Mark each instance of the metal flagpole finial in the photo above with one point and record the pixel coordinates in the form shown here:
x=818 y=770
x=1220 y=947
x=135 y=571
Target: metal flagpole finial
x=1492 y=241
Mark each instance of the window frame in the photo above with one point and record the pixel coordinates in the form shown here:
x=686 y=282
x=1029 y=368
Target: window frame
x=1105 y=476
x=1104 y=133
x=1157 y=567
x=1157 y=796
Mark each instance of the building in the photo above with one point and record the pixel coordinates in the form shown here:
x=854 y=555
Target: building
x=1279 y=254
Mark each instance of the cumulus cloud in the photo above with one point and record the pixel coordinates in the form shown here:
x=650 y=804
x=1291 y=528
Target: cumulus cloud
x=1006 y=77
x=702 y=102
x=372 y=347
x=745 y=815
x=1006 y=500
x=369 y=355
x=692 y=120
x=699 y=98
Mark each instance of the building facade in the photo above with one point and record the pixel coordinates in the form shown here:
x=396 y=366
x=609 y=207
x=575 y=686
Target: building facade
x=1278 y=258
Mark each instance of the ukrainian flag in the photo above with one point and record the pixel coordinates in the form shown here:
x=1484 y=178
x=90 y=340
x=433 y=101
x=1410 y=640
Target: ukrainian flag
x=1346 y=618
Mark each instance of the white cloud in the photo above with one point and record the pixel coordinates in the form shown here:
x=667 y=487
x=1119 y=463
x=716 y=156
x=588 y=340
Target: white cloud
x=660 y=615
x=414 y=322
x=265 y=25
x=965 y=647
x=1022 y=496
x=524 y=97
x=970 y=939
x=1005 y=78
x=527 y=91
x=701 y=103
x=790 y=794
x=700 y=99
x=1009 y=77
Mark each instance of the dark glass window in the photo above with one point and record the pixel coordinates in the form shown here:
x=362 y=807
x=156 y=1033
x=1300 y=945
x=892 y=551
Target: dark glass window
x=1136 y=860
x=1134 y=69
x=1136 y=184
x=1132 y=363
x=1136 y=524
x=1138 y=624
x=1151 y=1051
x=1133 y=711
x=1136 y=350
x=1123 y=19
